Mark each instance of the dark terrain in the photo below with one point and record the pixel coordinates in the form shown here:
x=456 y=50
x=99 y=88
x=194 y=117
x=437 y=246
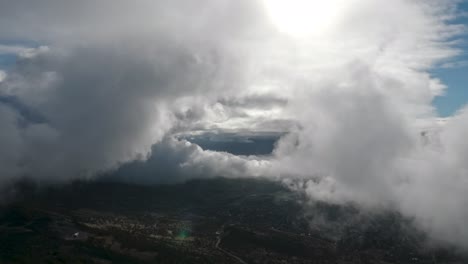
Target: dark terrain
x=201 y=221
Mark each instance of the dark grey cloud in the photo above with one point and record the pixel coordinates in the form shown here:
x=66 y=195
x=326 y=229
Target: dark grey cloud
x=102 y=109
x=174 y=160
x=254 y=101
x=12 y=147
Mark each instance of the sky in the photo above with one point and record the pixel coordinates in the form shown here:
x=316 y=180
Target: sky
x=345 y=94
x=455 y=77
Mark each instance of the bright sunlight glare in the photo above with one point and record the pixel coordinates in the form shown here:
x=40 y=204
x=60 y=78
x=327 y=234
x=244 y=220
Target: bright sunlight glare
x=303 y=17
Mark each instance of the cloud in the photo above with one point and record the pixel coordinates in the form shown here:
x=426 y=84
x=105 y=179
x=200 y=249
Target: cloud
x=11 y=143
x=360 y=114
x=105 y=100
x=11 y=49
x=455 y=64
x=175 y=160
x=359 y=138
x=116 y=81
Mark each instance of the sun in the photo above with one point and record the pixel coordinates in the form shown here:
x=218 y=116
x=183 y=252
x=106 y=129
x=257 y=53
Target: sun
x=304 y=17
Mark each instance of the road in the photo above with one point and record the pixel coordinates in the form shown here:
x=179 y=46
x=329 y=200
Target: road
x=218 y=242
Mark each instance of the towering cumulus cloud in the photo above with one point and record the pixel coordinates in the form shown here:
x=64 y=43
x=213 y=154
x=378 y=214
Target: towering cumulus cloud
x=98 y=92
x=97 y=84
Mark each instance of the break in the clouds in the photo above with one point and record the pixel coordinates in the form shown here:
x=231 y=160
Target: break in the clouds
x=113 y=83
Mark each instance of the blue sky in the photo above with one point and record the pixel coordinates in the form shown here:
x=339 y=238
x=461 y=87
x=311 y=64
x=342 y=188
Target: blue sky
x=9 y=59
x=455 y=78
